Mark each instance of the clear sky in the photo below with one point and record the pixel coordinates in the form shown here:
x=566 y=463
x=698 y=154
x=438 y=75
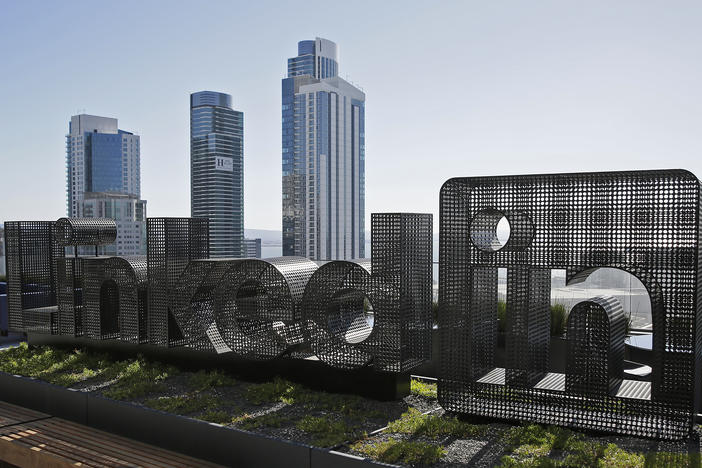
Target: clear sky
x=452 y=89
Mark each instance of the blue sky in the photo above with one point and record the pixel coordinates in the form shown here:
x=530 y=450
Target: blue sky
x=452 y=89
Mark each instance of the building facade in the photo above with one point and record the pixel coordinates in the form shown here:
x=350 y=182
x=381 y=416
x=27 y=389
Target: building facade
x=130 y=215
x=3 y=270
x=103 y=175
x=217 y=170
x=252 y=248
x=323 y=155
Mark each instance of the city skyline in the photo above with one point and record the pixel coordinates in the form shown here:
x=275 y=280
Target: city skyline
x=468 y=89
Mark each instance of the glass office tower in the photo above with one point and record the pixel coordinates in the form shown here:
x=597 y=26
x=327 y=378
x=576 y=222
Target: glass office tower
x=323 y=157
x=217 y=170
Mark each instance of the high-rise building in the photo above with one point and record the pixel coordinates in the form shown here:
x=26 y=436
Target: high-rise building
x=217 y=170
x=102 y=171
x=252 y=248
x=323 y=157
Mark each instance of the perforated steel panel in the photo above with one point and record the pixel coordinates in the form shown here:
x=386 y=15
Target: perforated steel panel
x=646 y=223
x=31 y=271
x=115 y=298
x=333 y=316
x=257 y=305
x=171 y=244
x=401 y=247
x=41 y=320
x=596 y=332
x=397 y=284
x=70 y=295
x=85 y=231
x=191 y=303
x=250 y=307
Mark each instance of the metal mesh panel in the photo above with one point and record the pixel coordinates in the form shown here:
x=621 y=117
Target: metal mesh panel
x=596 y=332
x=333 y=317
x=397 y=336
x=115 y=298
x=70 y=295
x=646 y=223
x=528 y=325
x=247 y=306
x=171 y=244
x=401 y=246
x=257 y=305
x=85 y=231
x=41 y=320
x=192 y=303
x=31 y=269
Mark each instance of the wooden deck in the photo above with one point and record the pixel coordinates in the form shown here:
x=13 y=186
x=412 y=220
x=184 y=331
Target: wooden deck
x=31 y=439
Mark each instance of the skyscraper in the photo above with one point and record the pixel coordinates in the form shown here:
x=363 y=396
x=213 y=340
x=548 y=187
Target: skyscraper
x=103 y=179
x=217 y=170
x=323 y=157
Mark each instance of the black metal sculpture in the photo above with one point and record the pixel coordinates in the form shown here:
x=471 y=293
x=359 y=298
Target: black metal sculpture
x=336 y=325
x=32 y=252
x=85 y=231
x=70 y=295
x=257 y=305
x=250 y=307
x=171 y=244
x=596 y=332
x=115 y=298
x=76 y=232
x=646 y=223
x=396 y=284
x=378 y=313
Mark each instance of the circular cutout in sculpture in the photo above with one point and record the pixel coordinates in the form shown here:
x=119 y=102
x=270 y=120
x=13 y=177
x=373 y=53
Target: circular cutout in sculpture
x=490 y=230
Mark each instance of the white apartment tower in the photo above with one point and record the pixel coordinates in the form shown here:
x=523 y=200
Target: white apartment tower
x=323 y=157
x=103 y=170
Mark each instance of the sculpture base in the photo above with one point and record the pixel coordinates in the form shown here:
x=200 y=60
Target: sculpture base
x=308 y=371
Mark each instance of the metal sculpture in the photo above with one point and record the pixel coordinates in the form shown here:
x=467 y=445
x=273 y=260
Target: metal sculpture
x=76 y=232
x=378 y=313
x=250 y=307
x=396 y=284
x=115 y=298
x=335 y=322
x=85 y=231
x=70 y=295
x=32 y=252
x=171 y=244
x=257 y=305
x=646 y=223
x=596 y=332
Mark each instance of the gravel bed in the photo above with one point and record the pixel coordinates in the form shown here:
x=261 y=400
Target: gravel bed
x=372 y=414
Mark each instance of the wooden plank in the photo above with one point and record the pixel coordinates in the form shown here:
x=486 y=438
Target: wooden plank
x=127 y=450
x=36 y=440
x=78 y=445
x=111 y=441
x=25 y=457
x=13 y=414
